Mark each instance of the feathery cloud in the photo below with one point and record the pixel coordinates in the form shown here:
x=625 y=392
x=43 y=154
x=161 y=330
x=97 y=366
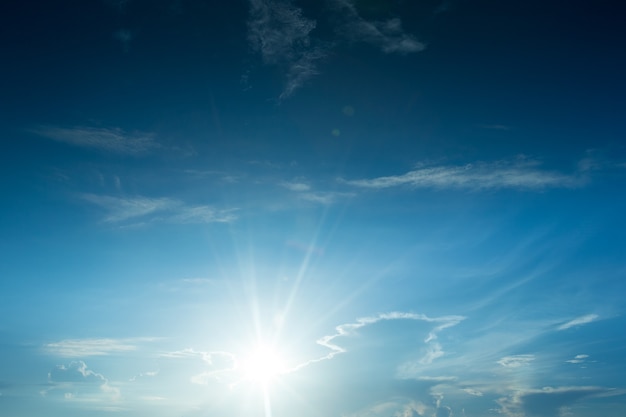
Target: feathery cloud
x=387 y=35
x=578 y=321
x=479 y=176
x=283 y=36
x=113 y=140
x=79 y=348
x=144 y=209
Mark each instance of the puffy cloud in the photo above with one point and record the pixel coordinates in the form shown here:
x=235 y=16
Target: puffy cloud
x=76 y=382
x=76 y=371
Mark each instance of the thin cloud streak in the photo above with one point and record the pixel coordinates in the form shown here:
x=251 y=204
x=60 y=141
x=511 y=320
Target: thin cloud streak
x=479 y=176
x=578 y=321
x=77 y=348
x=388 y=35
x=113 y=140
x=150 y=210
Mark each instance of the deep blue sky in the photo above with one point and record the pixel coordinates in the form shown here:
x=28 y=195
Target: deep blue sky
x=415 y=206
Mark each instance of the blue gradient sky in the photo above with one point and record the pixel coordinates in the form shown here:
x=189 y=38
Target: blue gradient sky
x=417 y=205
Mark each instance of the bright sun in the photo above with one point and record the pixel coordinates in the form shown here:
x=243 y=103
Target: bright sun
x=262 y=365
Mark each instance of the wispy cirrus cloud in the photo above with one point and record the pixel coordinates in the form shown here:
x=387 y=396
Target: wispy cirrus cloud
x=388 y=35
x=280 y=32
x=305 y=192
x=149 y=210
x=578 y=321
x=479 y=176
x=113 y=140
x=80 y=348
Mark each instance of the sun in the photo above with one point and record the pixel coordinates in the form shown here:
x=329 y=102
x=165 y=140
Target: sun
x=262 y=365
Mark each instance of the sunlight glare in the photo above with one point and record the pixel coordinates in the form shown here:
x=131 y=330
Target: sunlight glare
x=263 y=365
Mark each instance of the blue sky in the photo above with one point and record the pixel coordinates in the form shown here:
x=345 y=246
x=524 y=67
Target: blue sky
x=351 y=208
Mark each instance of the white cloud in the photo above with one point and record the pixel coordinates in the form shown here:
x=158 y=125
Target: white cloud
x=473 y=392
x=281 y=34
x=79 y=383
x=144 y=209
x=479 y=176
x=515 y=361
x=349 y=329
x=305 y=192
x=578 y=359
x=578 y=321
x=548 y=401
x=438 y=378
x=387 y=35
x=80 y=348
x=296 y=186
x=324 y=197
x=107 y=139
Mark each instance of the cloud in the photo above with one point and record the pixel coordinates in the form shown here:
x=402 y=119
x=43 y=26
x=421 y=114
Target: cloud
x=124 y=36
x=516 y=361
x=578 y=359
x=306 y=193
x=80 y=348
x=550 y=402
x=387 y=35
x=349 y=329
x=79 y=383
x=113 y=140
x=473 y=392
x=578 y=321
x=144 y=209
x=281 y=34
x=296 y=186
x=76 y=371
x=479 y=176
x=222 y=366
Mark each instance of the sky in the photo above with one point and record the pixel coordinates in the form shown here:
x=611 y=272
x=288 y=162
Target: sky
x=348 y=208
